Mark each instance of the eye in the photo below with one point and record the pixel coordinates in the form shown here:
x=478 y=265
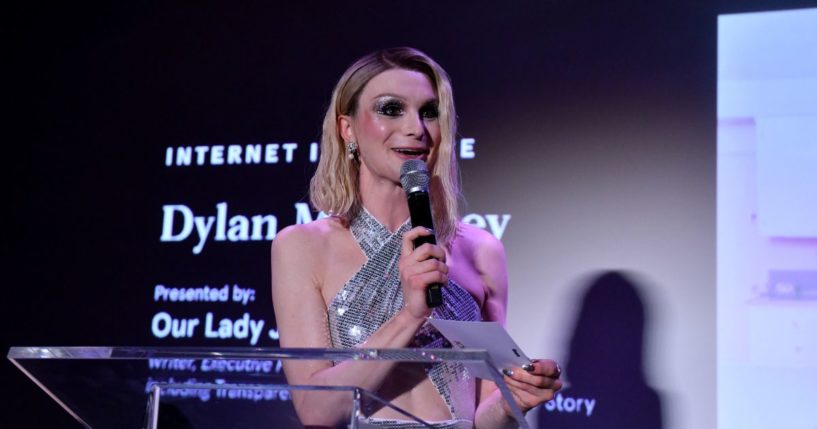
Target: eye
x=430 y=111
x=389 y=108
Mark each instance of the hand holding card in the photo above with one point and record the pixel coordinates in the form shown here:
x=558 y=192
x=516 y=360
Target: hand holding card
x=490 y=336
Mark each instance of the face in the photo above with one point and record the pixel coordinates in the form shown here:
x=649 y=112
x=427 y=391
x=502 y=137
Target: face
x=396 y=120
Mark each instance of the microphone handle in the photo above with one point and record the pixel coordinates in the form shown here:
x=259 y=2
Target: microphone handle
x=420 y=210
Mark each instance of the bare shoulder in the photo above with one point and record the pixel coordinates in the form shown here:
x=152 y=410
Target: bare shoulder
x=307 y=237
x=485 y=255
x=300 y=250
x=478 y=245
x=298 y=264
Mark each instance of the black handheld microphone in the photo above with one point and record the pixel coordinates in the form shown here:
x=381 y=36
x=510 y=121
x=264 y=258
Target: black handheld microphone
x=414 y=177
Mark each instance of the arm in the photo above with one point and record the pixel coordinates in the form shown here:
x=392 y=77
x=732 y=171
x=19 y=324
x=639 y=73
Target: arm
x=300 y=312
x=529 y=388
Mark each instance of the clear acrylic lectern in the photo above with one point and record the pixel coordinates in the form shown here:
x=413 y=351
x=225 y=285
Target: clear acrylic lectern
x=173 y=387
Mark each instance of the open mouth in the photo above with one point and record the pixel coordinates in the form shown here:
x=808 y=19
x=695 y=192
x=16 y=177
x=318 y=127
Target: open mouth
x=411 y=152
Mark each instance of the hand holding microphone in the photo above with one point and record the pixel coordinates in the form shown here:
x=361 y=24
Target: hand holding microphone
x=415 y=178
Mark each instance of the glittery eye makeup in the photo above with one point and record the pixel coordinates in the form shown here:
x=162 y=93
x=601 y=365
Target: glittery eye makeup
x=430 y=110
x=388 y=106
x=394 y=107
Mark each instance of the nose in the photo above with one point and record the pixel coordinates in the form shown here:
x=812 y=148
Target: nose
x=414 y=126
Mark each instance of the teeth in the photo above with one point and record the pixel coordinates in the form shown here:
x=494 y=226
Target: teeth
x=410 y=151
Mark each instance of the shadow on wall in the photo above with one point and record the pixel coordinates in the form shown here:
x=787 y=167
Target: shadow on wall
x=606 y=387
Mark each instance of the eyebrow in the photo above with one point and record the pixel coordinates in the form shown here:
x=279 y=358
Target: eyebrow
x=389 y=94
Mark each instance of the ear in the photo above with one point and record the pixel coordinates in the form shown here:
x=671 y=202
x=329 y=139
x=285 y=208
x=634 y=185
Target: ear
x=345 y=128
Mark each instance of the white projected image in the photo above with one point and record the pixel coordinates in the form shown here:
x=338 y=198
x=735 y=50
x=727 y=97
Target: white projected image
x=767 y=220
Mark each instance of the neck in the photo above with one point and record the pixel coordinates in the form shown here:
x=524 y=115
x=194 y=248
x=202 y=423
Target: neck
x=385 y=200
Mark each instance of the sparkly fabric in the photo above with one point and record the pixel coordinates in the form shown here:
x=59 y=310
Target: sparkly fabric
x=373 y=296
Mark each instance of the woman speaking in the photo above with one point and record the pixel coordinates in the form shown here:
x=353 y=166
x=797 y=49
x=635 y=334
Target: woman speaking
x=355 y=278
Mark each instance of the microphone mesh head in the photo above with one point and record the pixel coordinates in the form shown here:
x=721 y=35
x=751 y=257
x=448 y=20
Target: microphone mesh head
x=414 y=176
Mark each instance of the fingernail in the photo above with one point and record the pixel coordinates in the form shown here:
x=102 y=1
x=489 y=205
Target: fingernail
x=528 y=367
x=508 y=372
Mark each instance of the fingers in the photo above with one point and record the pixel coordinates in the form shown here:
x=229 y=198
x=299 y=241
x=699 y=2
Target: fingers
x=421 y=274
x=535 y=384
x=410 y=236
x=427 y=251
x=527 y=396
x=426 y=266
x=423 y=252
x=421 y=281
x=420 y=268
x=533 y=380
x=530 y=395
x=546 y=367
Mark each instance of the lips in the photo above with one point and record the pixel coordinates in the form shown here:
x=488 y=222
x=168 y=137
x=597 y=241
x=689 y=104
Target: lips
x=411 y=152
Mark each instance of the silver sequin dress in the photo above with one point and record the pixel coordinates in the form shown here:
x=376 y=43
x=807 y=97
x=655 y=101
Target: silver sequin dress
x=374 y=295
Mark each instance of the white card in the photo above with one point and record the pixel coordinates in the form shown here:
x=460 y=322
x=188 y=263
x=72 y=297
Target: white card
x=490 y=336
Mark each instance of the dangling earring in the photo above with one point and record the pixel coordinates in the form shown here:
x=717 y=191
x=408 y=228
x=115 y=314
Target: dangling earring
x=351 y=150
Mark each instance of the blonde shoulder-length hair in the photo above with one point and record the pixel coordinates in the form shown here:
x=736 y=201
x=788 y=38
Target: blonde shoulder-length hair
x=334 y=187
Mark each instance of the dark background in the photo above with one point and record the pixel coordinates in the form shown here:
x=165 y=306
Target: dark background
x=98 y=91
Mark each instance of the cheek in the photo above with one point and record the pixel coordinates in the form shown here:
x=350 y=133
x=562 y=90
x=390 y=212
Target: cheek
x=435 y=135
x=372 y=127
x=434 y=132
